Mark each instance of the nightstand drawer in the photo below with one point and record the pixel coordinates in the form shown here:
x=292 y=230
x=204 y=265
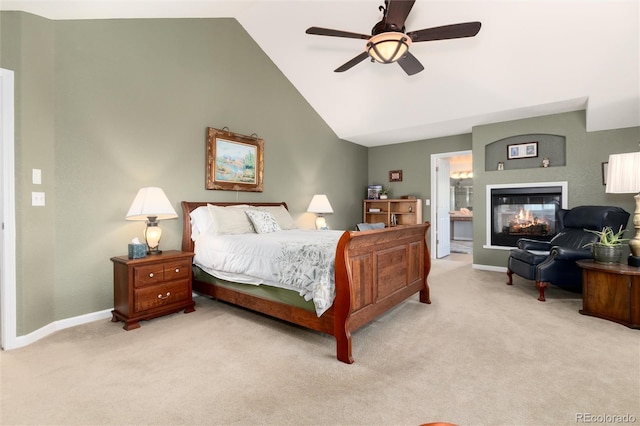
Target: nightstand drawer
x=161 y=295
x=148 y=274
x=180 y=269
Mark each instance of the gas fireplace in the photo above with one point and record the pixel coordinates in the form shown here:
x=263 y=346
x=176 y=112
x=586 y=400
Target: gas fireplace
x=523 y=212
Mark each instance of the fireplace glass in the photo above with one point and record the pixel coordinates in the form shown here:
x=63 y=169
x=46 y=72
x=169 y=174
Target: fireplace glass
x=528 y=212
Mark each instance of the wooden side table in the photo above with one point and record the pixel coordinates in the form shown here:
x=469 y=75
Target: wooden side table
x=152 y=286
x=611 y=292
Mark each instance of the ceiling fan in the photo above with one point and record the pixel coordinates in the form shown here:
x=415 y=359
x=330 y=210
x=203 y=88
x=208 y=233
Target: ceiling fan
x=388 y=42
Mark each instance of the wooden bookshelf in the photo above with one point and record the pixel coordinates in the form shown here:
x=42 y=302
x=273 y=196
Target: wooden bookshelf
x=393 y=212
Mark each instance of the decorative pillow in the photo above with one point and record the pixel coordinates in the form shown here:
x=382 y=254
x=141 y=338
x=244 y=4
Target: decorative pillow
x=200 y=221
x=281 y=215
x=263 y=221
x=230 y=220
x=369 y=226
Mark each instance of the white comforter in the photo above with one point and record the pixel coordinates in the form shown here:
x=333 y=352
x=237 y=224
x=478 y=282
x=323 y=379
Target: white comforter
x=298 y=259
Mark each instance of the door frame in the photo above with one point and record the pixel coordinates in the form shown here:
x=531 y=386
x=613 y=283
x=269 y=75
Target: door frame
x=8 y=330
x=434 y=186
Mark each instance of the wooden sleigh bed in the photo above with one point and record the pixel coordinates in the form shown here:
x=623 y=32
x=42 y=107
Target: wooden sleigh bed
x=374 y=271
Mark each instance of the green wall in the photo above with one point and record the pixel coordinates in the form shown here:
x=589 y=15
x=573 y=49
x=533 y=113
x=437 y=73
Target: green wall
x=585 y=153
x=27 y=47
x=106 y=107
x=414 y=159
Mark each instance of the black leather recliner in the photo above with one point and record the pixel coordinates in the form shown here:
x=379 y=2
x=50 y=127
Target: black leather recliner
x=554 y=262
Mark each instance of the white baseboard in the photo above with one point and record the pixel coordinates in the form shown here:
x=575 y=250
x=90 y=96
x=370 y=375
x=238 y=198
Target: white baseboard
x=489 y=268
x=34 y=336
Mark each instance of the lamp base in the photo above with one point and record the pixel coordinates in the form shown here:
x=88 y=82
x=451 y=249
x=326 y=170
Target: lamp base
x=634 y=261
x=152 y=252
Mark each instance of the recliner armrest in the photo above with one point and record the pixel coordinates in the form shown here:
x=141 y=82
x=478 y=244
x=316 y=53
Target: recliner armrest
x=528 y=244
x=566 y=253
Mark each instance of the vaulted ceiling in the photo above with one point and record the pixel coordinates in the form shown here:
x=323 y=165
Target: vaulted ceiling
x=530 y=58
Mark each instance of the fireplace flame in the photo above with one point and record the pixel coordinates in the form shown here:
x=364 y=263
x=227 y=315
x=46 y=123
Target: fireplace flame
x=524 y=220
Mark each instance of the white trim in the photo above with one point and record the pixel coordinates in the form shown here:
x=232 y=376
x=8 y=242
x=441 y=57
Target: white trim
x=57 y=326
x=8 y=261
x=488 y=268
x=565 y=203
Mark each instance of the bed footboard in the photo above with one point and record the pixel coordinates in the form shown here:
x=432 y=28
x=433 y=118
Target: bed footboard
x=376 y=270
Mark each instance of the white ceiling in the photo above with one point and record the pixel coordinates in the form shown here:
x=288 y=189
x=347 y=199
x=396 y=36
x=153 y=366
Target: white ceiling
x=531 y=58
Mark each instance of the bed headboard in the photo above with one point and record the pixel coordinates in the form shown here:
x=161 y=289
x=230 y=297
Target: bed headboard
x=189 y=206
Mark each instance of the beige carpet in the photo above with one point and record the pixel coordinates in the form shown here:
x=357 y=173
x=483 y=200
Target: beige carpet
x=482 y=353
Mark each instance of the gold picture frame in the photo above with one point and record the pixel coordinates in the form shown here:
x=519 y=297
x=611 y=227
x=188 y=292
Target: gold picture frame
x=234 y=161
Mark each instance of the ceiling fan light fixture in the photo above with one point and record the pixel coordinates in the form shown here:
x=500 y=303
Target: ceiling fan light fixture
x=388 y=47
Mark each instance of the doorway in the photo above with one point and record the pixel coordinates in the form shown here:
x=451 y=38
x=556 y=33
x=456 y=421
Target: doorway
x=7 y=213
x=451 y=209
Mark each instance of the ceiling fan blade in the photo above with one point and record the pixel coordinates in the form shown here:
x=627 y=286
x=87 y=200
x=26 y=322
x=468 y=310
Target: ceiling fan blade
x=410 y=64
x=336 y=33
x=467 y=29
x=361 y=57
x=397 y=12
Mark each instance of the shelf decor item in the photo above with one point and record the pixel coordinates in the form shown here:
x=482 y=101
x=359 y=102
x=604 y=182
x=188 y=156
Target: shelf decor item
x=384 y=193
x=373 y=192
x=623 y=177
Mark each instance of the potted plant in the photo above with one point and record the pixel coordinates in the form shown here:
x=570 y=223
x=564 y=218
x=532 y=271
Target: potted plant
x=608 y=247
x=384 y=193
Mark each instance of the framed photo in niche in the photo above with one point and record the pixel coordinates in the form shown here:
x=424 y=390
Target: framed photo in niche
x=395 y=176
x=234 y=161
x=522 y=150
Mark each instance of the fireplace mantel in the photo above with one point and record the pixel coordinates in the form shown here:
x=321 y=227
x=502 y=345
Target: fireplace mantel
x=526 y=187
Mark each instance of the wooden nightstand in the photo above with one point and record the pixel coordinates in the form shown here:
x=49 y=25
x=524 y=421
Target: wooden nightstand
x=150 y=287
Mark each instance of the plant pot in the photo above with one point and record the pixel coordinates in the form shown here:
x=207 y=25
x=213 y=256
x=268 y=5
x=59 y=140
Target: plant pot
x=384 y=197
x=606 y=254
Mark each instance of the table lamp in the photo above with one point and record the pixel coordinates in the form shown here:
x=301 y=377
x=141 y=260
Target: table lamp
x=152 y=205
x=320 y=205
x=623 y=177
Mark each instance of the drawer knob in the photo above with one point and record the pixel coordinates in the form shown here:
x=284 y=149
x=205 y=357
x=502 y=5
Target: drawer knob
x=177 y=270
x=160 y=296
x=151 y=275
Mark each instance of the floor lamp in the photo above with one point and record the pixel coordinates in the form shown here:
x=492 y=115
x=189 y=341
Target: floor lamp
x=623 y=177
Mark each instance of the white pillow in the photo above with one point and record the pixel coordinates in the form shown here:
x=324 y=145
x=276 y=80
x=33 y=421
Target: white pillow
x=200 y=221
x=282 y=216
x=230 y=220
x=263 y=221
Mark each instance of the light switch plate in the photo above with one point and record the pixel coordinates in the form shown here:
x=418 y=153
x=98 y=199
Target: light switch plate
x=36 y=176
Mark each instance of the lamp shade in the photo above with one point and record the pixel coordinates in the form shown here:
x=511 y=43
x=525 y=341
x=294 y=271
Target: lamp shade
x=151 y=202
x=320 y=204
x=623 y=174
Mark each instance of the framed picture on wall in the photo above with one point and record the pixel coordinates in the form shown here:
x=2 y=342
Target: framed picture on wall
x=234 y=161
x=395 y=176
x=522 y=150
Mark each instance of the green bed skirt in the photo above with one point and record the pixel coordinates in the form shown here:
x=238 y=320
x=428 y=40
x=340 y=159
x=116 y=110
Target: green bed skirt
x=288 y=297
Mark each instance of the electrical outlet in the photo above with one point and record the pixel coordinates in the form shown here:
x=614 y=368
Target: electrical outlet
x=427 y=202
x=37 y=198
